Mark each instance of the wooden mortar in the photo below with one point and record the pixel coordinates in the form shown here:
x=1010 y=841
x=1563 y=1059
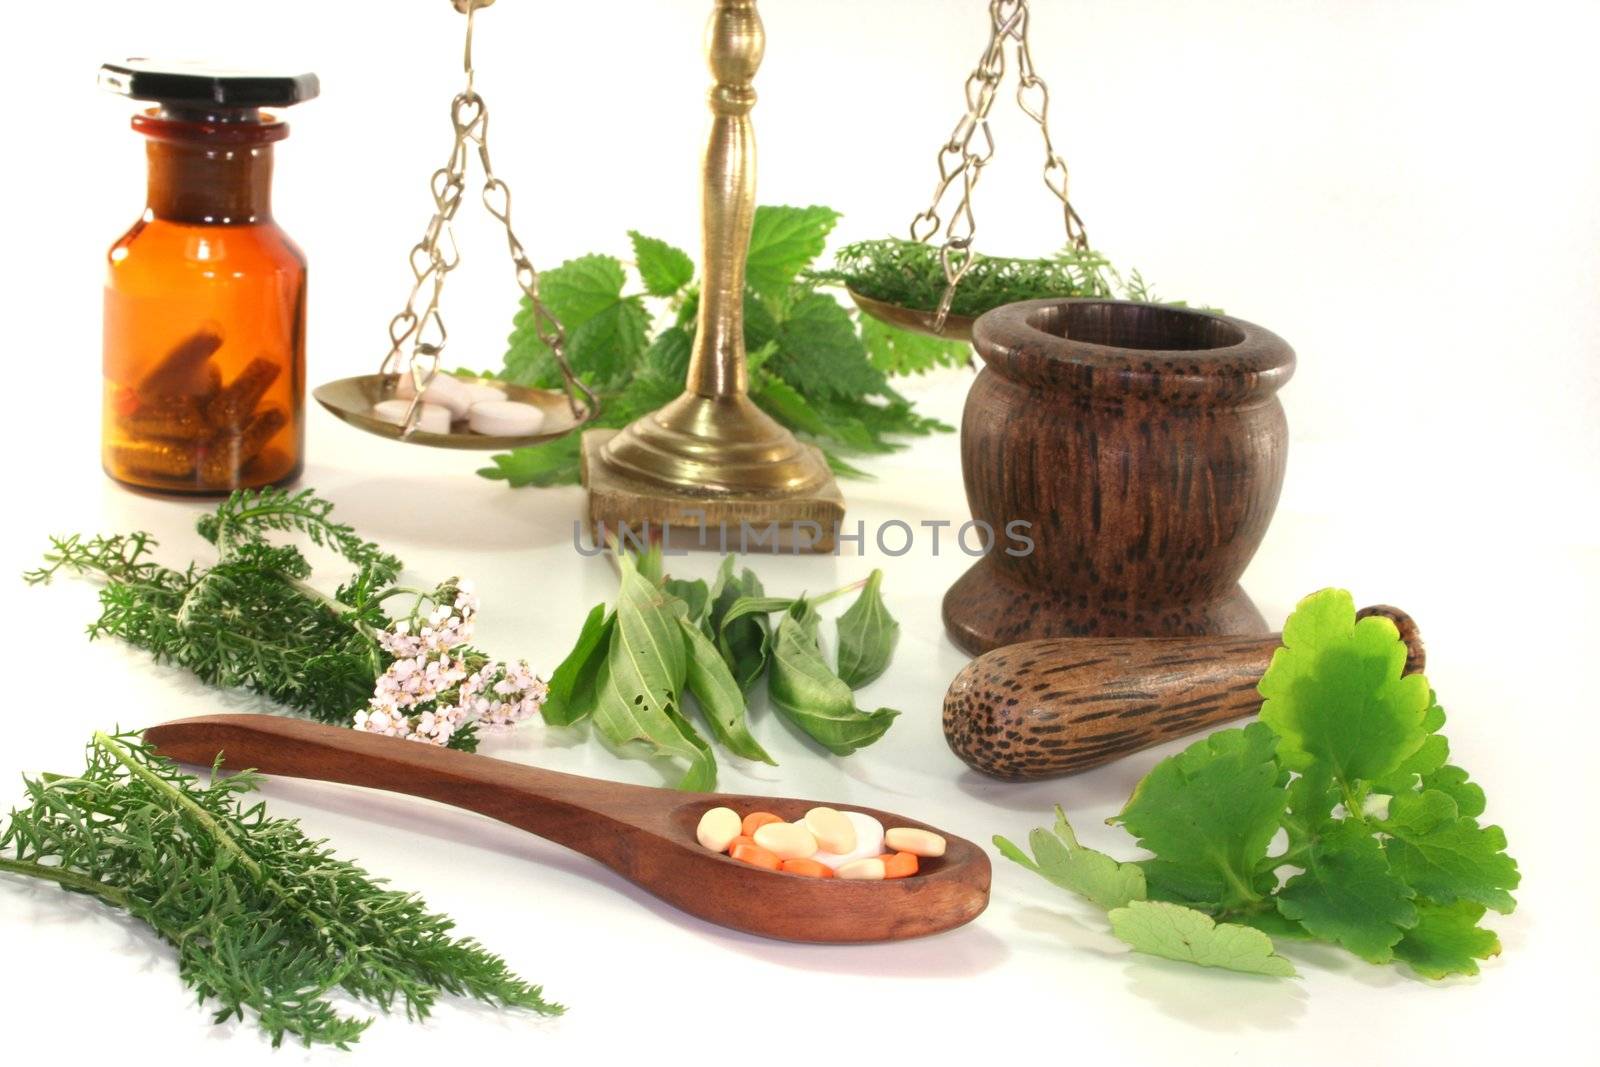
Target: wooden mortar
x=1145 y=446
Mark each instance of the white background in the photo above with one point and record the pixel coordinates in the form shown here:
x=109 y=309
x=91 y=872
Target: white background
x=1405 y=190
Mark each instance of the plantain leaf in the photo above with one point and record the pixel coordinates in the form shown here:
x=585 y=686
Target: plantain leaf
x=720 y=698
x=810 y=695
x=641 y=685
x=867 y=636
x=572 y=684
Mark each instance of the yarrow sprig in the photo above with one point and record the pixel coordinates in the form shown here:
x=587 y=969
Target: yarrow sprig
x=254 y=620
x=438 y=688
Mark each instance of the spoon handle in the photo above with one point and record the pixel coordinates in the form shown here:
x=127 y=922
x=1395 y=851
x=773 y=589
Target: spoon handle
x=1044 y=708
x=595 y=818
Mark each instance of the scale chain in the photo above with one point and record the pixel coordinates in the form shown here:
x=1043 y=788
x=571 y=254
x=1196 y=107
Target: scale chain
x=469 y=119
x=957 y=159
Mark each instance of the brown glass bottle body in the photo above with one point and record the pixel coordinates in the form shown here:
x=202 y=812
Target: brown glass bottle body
x=205 y=304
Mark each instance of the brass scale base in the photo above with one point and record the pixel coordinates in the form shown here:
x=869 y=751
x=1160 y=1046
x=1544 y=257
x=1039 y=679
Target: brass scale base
x=711 y=460
x=735 y=471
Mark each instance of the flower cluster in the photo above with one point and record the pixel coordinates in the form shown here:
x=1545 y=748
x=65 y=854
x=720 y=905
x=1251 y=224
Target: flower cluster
x=437 y=686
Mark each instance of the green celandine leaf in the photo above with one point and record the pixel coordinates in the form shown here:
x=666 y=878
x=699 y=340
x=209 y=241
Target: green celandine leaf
x=1447 y=940
x=641 y=683
x=1384 y=854
x=1452 y=781
x=1208 y=814
x=811 y=696
x=1348 y=894
x=1059 y=858
x=663 y=268
x=1178 y=933
x=783 y=240
x=1335 y=694
x=867 y=636
x=1446 y=856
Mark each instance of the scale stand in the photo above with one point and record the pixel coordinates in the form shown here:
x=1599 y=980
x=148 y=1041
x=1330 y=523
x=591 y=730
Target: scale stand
x=711 y=459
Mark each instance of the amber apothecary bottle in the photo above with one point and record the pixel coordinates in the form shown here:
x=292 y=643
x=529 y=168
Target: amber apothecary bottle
x=205 y=297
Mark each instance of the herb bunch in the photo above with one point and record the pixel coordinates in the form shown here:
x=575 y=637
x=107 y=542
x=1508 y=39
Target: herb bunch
x=1383 y=853
x=815 y=366
x=253 y=620
x=910 y=274
x=263 y=919
x=632 y=666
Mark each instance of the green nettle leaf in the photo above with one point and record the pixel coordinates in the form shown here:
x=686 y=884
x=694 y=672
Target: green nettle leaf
x=1446 y=856
x=557 y=462
x=642 y=681
x=1059 y=858
x=760 y=324
x=1209 y=813
x=663 y=268
x=606 y=348
x=811 y=696
x=1335 y=694
x=867 y=636
x=783 y=240
x=607 y=332
x=819 y=353
x=668 y=355
x=1348 y=894
x=1447 y=940
x=783 y=402
x=1179 y=933
x=742 y=641
x=572 y=684
x=897 y=351
x=719 y=696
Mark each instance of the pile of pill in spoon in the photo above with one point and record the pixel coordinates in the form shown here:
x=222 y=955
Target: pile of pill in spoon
x=824 y=844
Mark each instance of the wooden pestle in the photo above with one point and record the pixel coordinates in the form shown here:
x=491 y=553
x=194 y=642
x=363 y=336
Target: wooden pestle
x=1043 y=708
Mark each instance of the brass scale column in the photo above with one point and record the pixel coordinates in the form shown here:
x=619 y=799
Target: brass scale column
x=711 y=458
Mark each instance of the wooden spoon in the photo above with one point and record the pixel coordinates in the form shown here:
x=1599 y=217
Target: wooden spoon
x=1043 y=708
x=646 y=835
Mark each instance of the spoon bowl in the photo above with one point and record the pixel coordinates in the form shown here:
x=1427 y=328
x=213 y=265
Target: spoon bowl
x=646 y=835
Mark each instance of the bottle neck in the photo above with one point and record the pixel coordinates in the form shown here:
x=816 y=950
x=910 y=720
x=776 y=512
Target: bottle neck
x=209 y=173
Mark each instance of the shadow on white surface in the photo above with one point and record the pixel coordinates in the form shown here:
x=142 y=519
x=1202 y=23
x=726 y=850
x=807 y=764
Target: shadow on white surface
x=1215 y=1000
x=450 y=512
x=1206 y=998
x=1102 y=788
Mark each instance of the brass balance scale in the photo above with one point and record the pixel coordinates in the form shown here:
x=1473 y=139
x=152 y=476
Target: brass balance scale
x=711 y=459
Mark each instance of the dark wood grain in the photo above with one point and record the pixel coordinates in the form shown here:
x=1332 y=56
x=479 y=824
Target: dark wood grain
x=646 y=835
x=1144 y=445
x=1043 y=708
